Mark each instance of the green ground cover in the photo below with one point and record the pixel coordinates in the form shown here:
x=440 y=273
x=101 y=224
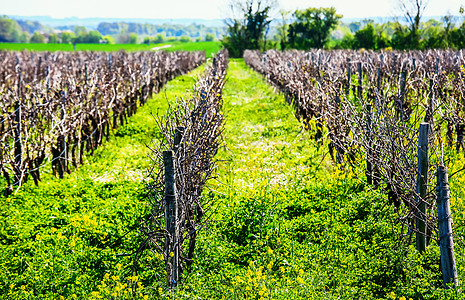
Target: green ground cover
x=287 y=224
x=209 y=47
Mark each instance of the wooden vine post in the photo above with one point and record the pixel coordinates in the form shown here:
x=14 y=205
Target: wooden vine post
x=369 y=171
x=62 y=146
x=360 y=80
x=349 y=77
x=378 y=80
x=171 y=216
x=172 y=211
x=17 y=135
x=422 y=181
x=446 y=241
x=178 y=134
x=403 y=79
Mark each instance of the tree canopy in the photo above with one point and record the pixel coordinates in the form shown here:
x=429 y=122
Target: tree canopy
x=312 y=27
x=248 y=30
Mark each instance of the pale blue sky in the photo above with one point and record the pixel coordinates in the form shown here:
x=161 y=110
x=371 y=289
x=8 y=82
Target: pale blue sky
x=203 y=9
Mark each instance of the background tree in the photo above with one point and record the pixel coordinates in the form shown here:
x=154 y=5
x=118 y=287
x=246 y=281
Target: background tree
x=133 y=38
x=365 y=37
x=160 y=38
x=10 y=31
x=209 y=37
x=247 y=27
x=312 y=27
x=108 y=39
x=433 y=35
x=412 y=11
x=67 y=37
x=53 y=38
x=37 y=38
x=185 y=39
x=283 y=29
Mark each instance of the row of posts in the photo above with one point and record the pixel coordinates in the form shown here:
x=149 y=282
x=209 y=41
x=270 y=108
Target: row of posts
x=448 y=266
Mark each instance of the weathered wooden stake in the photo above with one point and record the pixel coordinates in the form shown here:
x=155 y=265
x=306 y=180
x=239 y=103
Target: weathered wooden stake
x=62 y=145
x=85 y=72
x=109 y=61
x=360 y=80
x=378 y=81
x=429 y=113
x=38 y=67
x=422 y=182
x=179 y=132
x=349 y=77
x=403 y=79
x=446 y=241
x=48 y=80
x=171 y=216
x=17 y=135
x=370 y=145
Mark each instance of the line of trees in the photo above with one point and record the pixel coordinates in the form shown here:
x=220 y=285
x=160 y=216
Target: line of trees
x=16 y=31
x=12 y=32
x=249 y=26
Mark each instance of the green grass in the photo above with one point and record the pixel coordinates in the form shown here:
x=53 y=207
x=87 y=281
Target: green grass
x=62 y=237
x=209 y=47
x=287 y=223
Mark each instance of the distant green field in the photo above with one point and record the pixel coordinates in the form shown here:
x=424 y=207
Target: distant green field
x=209 y=47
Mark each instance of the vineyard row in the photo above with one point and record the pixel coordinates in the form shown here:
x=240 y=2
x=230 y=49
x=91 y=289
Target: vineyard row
x=54 y=107
x=398 y=111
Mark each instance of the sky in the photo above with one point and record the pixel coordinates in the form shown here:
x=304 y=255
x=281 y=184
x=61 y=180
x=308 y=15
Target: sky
x=202 y=9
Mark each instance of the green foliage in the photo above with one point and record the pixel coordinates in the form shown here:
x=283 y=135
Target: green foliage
x=249 y=30
x=108 y=40
x=10 y=31
x=160 y=38
x=185 y=39
x=37 y=38
x=365 y=38
x=84 y=37
x=53 y=38
x=67 y=37
x=170 y=30
x=133 y=38
x=209 y=37
x=312 y=27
